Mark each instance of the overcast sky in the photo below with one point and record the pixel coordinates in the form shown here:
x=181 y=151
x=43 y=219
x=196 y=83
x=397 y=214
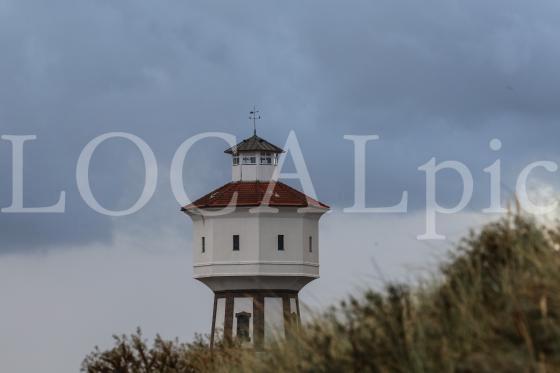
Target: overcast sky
x=432 y=79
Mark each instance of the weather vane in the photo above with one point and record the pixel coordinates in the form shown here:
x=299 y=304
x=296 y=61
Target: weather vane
x=254 y=115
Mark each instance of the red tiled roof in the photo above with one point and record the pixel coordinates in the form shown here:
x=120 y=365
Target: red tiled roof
x=252 y=194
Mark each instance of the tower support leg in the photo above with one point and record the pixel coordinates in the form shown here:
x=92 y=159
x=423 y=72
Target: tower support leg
x=267 y=314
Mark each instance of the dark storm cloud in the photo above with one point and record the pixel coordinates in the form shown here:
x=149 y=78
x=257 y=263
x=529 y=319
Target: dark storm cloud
x=435 y=78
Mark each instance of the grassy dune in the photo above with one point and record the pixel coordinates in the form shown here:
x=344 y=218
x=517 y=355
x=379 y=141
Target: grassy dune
x=492 y=307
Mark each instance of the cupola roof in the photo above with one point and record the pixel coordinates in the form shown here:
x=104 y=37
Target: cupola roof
x=254 y=143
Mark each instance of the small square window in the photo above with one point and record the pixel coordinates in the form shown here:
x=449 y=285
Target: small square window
x=266 y=158
x=310 y=244
x=235 y=161
x=280 y=242
x=235 y=242
x=203 y=244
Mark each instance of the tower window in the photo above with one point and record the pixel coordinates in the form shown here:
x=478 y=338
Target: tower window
x=235 y=161
x=310 y=244
x=266 y=158
x=203 y=244
x=249 y=160
x=280 y=242
x=235 y=242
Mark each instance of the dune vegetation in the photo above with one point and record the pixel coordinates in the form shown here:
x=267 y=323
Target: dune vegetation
x=493 y=306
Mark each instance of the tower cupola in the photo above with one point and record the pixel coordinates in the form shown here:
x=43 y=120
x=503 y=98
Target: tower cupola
x=254 y=159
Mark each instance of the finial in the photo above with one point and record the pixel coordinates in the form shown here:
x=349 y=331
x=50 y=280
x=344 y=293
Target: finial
x=254 y=115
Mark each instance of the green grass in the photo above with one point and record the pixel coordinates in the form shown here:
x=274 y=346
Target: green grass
x=492 y=307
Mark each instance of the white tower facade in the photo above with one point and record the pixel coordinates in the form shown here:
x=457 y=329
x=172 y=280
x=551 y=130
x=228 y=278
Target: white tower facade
x=255 y=245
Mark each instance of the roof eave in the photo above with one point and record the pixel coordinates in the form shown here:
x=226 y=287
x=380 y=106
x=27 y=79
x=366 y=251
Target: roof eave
x=235 y=152
x=322 y=207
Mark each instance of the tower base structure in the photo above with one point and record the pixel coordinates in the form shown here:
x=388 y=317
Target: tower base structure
x=254 y=318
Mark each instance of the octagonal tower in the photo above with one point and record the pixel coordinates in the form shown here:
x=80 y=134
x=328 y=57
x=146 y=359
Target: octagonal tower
x=255 y=245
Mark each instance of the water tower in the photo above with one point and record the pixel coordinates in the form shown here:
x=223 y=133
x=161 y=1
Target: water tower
x=258 y=255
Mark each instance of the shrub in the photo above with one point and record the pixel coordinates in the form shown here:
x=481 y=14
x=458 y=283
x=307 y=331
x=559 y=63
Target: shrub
x=493 y=307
